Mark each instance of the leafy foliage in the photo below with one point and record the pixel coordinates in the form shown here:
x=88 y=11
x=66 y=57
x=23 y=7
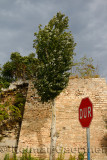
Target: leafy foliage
x=12 y=111
x=55 y=50
x=4 y=83
x=3 y=112
x=85 y=68
x=72 y=157
x=61 y=155
x=7 y=157
x=81 y=156
x=15 y=113
x=26 y=155
x=19 y=99
x=7 y=71
x=19 y=67
x=54 y=47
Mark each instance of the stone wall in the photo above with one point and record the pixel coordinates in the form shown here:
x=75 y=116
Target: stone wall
x=35 y=130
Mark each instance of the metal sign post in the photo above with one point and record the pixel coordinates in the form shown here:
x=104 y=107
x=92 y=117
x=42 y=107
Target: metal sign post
x=85 y=118
x=88 y=143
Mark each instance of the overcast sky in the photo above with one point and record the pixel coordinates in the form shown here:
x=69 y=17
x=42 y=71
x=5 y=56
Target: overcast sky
x=19 y=19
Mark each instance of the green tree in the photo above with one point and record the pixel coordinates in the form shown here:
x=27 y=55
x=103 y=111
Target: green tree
x=19 y=67
x=86 y=68
x=0 y=70
x=55 y=50
x=31 y=66
x=6 y=75
x=12 y=69
x=7 y=71
x=16 y=60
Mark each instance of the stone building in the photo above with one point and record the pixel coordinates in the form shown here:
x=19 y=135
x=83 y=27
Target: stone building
x=36 y=124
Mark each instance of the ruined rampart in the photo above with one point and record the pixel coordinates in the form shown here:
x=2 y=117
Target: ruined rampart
x=35 y=130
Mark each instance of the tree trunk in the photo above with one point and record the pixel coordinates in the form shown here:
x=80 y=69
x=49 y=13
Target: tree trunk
x=53 y=132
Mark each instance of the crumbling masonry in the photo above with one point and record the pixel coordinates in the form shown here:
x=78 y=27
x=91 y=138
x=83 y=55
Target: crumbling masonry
x=36 y=124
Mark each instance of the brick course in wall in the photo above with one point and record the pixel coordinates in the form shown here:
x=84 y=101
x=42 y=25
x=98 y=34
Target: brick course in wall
x=35 y=130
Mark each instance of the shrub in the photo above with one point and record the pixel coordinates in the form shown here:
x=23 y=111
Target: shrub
x=26 y=155
x=14 y=157
x=6 y=157
x=15 y=112
x=4 y=83
x=85 y=68
x=72 y=157
x=81 y=156
x=19 y=99
x=61 y=155
x=3 y=113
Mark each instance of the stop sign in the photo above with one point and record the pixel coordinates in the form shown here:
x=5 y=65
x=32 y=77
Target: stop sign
x=85 y=112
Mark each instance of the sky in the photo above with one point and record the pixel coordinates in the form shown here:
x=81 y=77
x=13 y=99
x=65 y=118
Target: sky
x=19 y=19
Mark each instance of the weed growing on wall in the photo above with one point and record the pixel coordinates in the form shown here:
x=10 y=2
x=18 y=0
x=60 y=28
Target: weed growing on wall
x=12 y=110
x=3 y=113
x=26 y=155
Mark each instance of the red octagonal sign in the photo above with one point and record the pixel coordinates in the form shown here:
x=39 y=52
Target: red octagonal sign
x=85 y=112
